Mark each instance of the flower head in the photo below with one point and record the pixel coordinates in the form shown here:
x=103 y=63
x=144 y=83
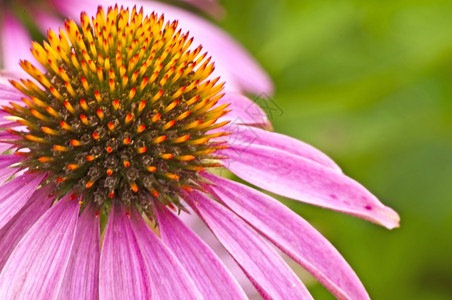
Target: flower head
x=123 y=121
x=127 y=109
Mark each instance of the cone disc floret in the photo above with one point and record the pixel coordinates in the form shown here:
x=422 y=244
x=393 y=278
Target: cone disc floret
x=122 y=110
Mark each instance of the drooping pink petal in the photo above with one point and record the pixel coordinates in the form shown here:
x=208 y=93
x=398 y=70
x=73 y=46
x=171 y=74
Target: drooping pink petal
x=301 y=179
x=293 y=235
x=266 y=269
x=123 y=273
x=15 y=229
x=81 y=280
x=169 y=279
x=248 y=135
x=15 y=193
x=232 y=62
x=6 y=161
x=243 y=111
x=36 y=267
x=15 y=42
x=205 y=269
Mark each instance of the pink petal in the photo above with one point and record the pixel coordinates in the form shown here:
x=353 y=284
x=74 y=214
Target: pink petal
x=247 y=135
x=293 y=235
x=15 y=42
x=15 y=193
x=81 y=280
x=18 y=226
x=203 y=266
x=243 y=111
x=123 y=273
x=301 y=179
x=266 y=269
x=169 y=279
x=36 y=267
x=6 y=161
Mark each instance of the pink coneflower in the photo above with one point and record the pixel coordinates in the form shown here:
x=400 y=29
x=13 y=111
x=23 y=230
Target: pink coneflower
x=122 y=129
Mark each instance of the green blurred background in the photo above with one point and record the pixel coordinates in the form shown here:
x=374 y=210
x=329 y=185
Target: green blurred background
x=369 y=83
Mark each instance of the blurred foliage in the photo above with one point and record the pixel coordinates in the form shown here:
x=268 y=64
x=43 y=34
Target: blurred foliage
x=369 y=83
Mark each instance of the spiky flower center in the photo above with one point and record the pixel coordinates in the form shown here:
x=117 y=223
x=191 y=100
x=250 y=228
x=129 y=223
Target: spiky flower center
x=124 y=109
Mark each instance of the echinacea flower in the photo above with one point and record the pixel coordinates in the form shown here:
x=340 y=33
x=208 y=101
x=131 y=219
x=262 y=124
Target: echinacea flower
x=19 y=19
x=124 y=126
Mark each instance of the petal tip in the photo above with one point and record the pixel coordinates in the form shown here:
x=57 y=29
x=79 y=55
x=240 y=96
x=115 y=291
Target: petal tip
x=389 y=218
x=394 y=219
